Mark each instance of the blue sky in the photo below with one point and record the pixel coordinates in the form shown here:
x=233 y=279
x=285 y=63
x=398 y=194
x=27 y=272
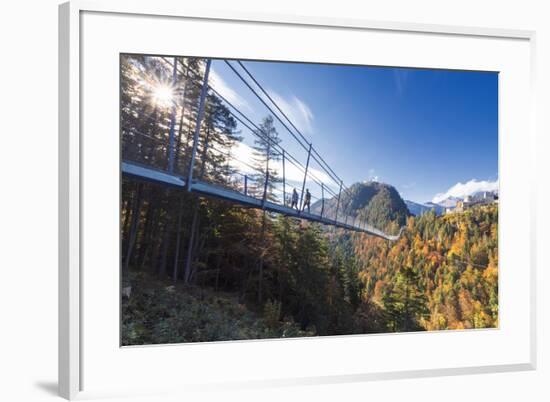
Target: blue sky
x=429 y=133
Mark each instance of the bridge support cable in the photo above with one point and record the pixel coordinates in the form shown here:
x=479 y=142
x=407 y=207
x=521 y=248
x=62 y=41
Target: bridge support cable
x=261 y=134
x=305 y=178
x=305 y=147
x=252 y=196
x=338 y=203
x=171 y=147
x=204 y=154
x=266 y=181
x=284 y=180
x=326 y=166
x=321 y=162
x=198 y=124
x=322 y=199
x=255 y=130
x=272 y=101
x=144 y=173
x=315 y=154
x=265 y=104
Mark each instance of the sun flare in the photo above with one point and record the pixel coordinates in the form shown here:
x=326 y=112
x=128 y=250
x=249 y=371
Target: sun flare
x=163 y=95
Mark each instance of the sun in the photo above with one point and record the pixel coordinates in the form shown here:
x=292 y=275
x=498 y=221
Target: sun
x=163 y=95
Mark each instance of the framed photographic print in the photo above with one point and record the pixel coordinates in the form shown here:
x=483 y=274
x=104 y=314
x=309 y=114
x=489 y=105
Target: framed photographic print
x=352 y=188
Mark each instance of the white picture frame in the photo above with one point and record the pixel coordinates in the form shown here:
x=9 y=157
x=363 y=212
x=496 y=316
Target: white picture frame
x=73 y=370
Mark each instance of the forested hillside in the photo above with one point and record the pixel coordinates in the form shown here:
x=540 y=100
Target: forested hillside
x=441 y=274
x=379 y=204
x=278 y=273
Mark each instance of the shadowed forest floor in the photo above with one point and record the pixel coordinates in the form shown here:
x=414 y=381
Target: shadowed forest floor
x=158 y=311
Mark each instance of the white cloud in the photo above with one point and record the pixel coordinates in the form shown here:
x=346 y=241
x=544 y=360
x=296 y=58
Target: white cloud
x=293 y=174
x=297 y=111
x=216 y=82
x=461 y=190
x=242 y=157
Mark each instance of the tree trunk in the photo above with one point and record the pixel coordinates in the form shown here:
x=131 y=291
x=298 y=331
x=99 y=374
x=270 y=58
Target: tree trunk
x=204 y=153
x=218 y=264
x=165 y=244
x=125 y=212
x=152 y=147
x=126 y=223
x=195 y=222
x=175 y=272
x=199 y=247
x=180 y=128
x=189 y=258
x=156 y=244
x=145 y=237
x=246 y=281
x=261 y=268
x=187 y=141
x=134 y=225
x=149 y=240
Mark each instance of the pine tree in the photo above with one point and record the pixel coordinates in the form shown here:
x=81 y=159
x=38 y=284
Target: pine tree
x=406 y=304
x=266 y=157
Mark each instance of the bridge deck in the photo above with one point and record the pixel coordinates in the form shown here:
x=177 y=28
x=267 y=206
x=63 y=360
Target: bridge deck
x=151 y=174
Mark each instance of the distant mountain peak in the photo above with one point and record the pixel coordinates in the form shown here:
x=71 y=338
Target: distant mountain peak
x=378 y=203
x=417 y=209
x=449 y=202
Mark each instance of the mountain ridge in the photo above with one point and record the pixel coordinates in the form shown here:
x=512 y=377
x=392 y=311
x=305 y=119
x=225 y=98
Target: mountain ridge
x=379 y=204
x=417 y=208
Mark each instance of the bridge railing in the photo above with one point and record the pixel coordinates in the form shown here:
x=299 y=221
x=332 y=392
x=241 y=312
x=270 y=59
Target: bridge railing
x=158 y=140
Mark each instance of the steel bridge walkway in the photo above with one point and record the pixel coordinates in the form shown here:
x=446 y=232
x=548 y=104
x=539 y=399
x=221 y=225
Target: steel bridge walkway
x=146 y=173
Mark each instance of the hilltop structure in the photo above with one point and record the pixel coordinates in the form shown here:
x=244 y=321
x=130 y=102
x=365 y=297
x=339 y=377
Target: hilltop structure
x=482 y=198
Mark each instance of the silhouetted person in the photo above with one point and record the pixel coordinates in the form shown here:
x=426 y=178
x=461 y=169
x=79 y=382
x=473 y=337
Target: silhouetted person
x=307 y=201
x=294 y=202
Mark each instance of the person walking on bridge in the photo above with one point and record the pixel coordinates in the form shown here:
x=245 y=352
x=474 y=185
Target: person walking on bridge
x=307 y=201
x=294 y=202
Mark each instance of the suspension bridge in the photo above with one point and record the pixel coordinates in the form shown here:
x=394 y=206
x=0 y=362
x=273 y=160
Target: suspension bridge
x=183 y=168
